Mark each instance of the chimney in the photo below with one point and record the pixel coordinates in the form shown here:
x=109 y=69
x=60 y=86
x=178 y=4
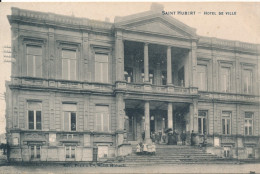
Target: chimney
x=157 y=7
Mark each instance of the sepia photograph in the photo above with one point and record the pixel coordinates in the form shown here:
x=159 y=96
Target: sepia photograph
x=130 y=87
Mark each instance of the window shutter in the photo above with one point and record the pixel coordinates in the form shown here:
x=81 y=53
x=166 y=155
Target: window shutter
x=65 y=67
x=31 y=119
x=66 y=121
x=38 y=64
x=38 y=120
x=30 y=65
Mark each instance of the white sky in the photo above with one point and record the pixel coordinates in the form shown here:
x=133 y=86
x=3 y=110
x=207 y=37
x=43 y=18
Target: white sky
x=244 y=26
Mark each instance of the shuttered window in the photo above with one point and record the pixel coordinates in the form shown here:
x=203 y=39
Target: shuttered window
x=248 y=81
x=202 y=77
x=69 y=117
x=225 y=79
x=69 y=65
x=34 y=61
x=101 y=68
x=102 y=118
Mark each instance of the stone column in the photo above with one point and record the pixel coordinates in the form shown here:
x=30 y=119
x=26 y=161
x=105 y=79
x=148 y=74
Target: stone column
x=194 y=116
x=193 y=63
x=85 y=60
x=51 y=50
x=170 y=117
x=146 y=63
x=169 y=66
x=119 y=53
x=147 y=121
x=120 y=112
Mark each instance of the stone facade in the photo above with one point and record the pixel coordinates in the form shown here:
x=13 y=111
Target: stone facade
x=79 y=84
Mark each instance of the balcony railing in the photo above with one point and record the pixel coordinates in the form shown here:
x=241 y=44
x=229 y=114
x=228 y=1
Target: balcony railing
x=148 y=88
x=229 y=97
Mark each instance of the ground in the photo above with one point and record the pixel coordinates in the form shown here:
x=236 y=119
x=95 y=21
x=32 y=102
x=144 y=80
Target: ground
x=184 y=168
x=244 y=168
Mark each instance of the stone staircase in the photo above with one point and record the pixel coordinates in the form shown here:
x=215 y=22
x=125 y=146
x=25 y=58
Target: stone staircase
x=174 y=154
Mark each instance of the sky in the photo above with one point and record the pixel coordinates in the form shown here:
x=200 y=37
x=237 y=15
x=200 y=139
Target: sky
x=244 y=26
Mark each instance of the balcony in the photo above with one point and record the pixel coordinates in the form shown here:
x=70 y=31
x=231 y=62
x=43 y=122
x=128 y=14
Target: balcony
x=64 y=85
x=154 y=89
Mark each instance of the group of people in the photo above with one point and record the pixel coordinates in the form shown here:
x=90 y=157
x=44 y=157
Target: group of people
x=145 y=149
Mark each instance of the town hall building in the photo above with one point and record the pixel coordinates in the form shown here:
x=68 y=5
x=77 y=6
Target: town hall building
x=78 y=84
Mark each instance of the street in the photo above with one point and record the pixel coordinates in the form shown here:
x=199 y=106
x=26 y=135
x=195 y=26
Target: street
x=192 y=168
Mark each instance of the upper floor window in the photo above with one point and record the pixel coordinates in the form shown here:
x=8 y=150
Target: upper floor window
x=248 y=123
x=226 y=122
x=247 y=81
x=128 y=74
x=202 y=77
x=34 y=115
x=70 y=152
x=69 y=117
x=102 y=118
x=101 y=68
x=225 y=79
x=69 y=64
x=34 y=61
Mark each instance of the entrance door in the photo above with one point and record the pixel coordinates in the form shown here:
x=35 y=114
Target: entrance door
x=131 y=128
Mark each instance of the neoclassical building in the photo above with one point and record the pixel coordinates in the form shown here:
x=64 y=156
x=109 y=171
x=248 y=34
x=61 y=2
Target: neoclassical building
x=78 y=83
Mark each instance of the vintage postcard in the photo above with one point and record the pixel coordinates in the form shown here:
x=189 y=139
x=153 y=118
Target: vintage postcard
x=130 y=87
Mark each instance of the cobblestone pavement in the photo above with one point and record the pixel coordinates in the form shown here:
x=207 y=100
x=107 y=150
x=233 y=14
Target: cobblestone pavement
x=192 y=168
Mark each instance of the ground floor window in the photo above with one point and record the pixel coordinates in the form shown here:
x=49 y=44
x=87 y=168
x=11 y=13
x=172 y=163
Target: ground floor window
x=35 y=151
x=249 y=151
x=102 y=151
x=70 y=152
x=227 y=151
x=202 y=122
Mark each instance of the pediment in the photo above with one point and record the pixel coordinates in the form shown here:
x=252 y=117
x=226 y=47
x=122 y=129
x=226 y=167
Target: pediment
x=157 y=27
x=156 y=24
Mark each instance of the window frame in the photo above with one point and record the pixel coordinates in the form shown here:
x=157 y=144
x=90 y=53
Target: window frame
x=65 y=109
x=102 y=119
x=34 y=155
x=96 y=63
x=230 y=123
x=206 y=122
x=206 y=77
x=252 y=126
x=72 y=49
x=34 y=60
x=251 y=70
x=34 y=116
x=70 y=152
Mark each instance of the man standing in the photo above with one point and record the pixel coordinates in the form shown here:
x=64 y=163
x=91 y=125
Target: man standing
x=183 y=137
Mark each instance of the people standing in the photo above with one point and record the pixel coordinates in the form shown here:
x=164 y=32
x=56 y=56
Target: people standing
x=183 y=137
x=192 y=138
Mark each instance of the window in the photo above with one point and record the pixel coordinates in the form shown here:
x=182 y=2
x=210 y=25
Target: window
x=150 y=76
x=69 y=64
x=248 y=123
x=69 y=117
x=101 y=68
x=225 y=79
x=34 y=115
x=164 y=77
x=250 y=152
x=102 y=151
x=227 y=150
x=35 y=152
x=70 y=152
x=34 y=61
x=102 y=118
x=202 y=122
x=128 y=74
x=247 y=81
x=226 y=122
x=202 y=77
